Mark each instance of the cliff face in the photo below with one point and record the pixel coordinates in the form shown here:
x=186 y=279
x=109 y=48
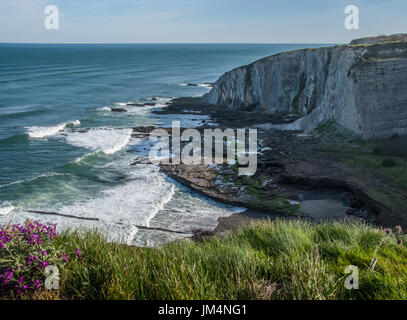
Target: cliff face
x=361 y=87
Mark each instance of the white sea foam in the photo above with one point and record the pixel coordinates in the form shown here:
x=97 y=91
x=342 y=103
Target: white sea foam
x=75 y=123
x=37 y=132
x=159 y=205
x=122 y=207
x=143 y=110
x=205 y=85
x=141 y=107
x=185 y=212
x=108 y=141
x=161 y=100
x=5 y=209
x=79 y=159
x=104 y=109
x=48 y=174
x=192 y=111
x=166 y=198
x=147 y=198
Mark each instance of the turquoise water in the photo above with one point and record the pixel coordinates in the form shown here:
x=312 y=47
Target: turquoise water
x=61 y=149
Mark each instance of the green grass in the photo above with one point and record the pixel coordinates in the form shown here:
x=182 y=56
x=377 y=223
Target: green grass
x=364 y=162
x=260 y=197
x=397 y=173
x=279 y=204
x=268 y=260
x=365 y=156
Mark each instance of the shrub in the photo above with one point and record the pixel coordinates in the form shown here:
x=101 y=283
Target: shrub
x=377 y=150
x=394 y=136
x=25 y=252
x=389 y=162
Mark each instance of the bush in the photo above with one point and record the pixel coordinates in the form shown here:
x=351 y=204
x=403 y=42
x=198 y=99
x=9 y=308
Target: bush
x=394 y=136
x=389 y=162
x=25 y=252
x=377 y=150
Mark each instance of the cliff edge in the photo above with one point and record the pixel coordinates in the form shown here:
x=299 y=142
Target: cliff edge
x=362 y=86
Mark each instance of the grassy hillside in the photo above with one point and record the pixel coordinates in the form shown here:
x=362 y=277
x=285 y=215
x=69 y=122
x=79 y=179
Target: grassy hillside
x=268 y=260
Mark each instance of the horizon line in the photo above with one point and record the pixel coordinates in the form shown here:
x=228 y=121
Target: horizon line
x=104 y=43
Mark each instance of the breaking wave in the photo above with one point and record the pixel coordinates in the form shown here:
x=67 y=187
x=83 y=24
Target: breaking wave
x=5 y=209
x=36 y=132
x=106 y=140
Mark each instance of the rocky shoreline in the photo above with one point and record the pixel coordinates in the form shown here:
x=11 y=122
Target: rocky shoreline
x=291 y=164
x=282 y=171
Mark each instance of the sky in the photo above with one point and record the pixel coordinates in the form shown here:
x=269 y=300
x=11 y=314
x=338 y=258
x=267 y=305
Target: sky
x=203 y=21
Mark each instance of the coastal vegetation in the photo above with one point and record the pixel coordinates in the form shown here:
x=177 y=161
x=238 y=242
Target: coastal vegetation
x=259 y=197
x=377 y=156
x=282 y=259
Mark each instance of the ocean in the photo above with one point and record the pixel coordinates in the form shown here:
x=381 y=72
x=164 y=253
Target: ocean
x=63 y=150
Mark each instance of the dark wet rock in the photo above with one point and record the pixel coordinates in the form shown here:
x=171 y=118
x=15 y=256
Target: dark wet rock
x=147 y=104
x=350 y=200
x=140 y=135
x=139 y=131
x=367 y=215
x=147 y=129
x=357 y=204
x=206 y=84
x=118 y=110
x=219 y=114
x=202 y=235
x=227 y=224
x=222 y=183
x=140 y=160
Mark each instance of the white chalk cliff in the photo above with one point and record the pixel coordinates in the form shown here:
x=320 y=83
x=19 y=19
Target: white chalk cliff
x=361 y=86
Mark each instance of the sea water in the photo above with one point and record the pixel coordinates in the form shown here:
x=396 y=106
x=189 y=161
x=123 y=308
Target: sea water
x=63 y=150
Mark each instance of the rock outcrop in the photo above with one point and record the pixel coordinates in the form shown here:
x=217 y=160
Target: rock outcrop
x=363 y=87
x=381 y=39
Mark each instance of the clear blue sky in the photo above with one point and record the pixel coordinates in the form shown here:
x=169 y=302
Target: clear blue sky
x=192 y=21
